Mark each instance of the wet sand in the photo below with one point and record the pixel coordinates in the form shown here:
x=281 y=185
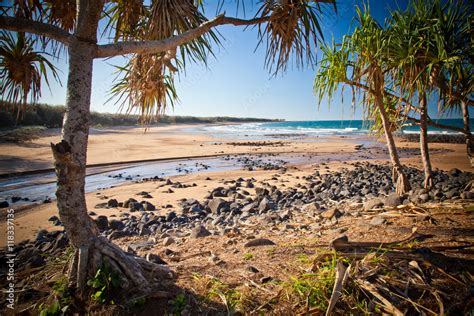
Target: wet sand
x=128 y=144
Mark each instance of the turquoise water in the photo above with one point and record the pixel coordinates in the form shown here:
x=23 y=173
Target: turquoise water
x=321 y=128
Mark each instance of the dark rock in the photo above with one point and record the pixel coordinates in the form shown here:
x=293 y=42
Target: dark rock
x=116 y=224
x=265 y=205
x=199 y=232
x=467 y=195
x=265 y=279
x=372 y=203
x=135 y=206
x=127 y=203
x=112 y=203
x=424 y=197
x=218 y=205
x=151 y=257
x=392 y=200
x=259 y=242
x=101 y=205
x=102 y=222
x=4 y=204
x=53 y=218
x=117 y=234
x=149 y=207
x=455 y=172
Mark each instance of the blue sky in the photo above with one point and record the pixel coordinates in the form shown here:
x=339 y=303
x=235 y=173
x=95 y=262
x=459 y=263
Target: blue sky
x=236 y=82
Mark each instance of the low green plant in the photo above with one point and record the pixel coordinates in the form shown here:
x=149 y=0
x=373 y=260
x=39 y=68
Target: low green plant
x=248 y=256
x=102 y=284
x=179 y=304
x=62 y=301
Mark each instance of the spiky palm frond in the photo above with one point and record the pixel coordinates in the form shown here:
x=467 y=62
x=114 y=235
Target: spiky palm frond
x=429 y=49
x=21 y=70
x=144 y=89
x=61 y=13
x=124 y=17
x=170 y=17
x=293 y=31
x=332 y=71
x=146 y=84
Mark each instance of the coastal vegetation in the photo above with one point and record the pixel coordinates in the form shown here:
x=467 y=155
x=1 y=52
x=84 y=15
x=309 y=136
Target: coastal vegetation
x=159 y=39
x=51 y=116
x=422 y=52
x=268 y=237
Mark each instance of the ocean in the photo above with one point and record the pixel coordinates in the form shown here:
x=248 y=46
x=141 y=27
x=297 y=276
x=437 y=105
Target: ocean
x=319 y=128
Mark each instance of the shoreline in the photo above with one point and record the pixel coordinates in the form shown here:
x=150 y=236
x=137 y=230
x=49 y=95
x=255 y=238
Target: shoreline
x=307 y=156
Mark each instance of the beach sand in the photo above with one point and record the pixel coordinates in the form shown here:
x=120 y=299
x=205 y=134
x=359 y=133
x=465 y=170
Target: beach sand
x=131 y=144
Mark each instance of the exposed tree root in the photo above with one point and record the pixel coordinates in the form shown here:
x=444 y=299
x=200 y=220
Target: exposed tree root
x=402 y=184
x=428 y=181
x=134 y=272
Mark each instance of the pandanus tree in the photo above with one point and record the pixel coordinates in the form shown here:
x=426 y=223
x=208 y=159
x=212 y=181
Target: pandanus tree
x=360 y=63
x=412 y=61
x=159 y=38
x=22 y=70
x=454 y=76
x=426 y=53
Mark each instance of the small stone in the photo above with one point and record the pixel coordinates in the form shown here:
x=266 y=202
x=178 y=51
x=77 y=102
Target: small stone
x=424 y=197
x=199 y=232
x=53 y=218
x=149 y=207
x=311 y=208
x=112 y=203
x=377 y=220
x=372 y=203
x=151 y=257
x=392 y=200
x=265 y=279
x=4 y=204
x=102 y=222
x=252 y=269
x=259 y=242
x=329 y=214
x=168 y=241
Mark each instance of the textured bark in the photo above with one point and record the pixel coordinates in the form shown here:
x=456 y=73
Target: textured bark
x=400 y=180
x=35 y=27
x=70 y=156
x=467 y=132
x=425 y=155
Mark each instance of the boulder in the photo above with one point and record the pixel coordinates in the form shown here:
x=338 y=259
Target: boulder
x=199 y=232
x=218 y=205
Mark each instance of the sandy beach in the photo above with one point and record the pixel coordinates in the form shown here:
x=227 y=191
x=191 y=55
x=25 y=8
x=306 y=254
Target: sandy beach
x=134 y=144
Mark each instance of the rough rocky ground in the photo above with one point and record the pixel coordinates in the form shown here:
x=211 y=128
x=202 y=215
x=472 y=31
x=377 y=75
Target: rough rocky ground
x=268 y=247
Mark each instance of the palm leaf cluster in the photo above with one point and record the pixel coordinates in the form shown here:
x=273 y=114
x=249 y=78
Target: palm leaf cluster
x=293 y=30
x=21 y=70
x=147 y=82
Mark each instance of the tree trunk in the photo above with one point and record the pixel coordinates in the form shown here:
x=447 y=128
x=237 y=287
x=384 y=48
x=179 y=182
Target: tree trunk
x=467 y=132
x=70 y=156
x=425 y=155
x=400 y=180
